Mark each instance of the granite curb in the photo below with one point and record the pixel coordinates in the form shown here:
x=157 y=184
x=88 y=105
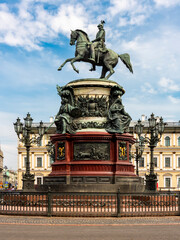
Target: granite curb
x=4 y=219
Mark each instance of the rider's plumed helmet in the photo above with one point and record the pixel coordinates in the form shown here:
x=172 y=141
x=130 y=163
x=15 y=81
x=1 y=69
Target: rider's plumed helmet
x=101 y=25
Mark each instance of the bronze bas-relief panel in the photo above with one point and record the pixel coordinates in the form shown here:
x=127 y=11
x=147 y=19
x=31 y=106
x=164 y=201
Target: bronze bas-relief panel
x=92 y=151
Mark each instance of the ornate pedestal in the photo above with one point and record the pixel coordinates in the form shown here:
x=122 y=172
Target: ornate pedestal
x=151 y=182
x=28 y=182
x=92 y=146
x=93 y=161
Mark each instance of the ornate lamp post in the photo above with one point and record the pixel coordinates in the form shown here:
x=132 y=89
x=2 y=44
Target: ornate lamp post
x=23 y=133
x=139 y=145
x=51 y=151
x=155 y=129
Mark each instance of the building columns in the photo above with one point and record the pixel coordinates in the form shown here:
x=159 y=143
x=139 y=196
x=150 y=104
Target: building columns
x=161 y=161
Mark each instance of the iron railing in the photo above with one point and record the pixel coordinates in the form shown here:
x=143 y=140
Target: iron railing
x=89 y=204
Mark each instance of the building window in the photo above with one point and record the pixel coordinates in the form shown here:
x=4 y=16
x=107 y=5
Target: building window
x=39 y=180
x=39 y=161
x=167 y=182
x=155 y=161
x=167 y=141
x=178 y=182
x=178 y=141
x=167 y=162
x=178 y=163
x=141 y=162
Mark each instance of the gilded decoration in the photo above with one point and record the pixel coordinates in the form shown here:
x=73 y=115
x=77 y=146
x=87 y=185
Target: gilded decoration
x=61 y=151
x=122 y=151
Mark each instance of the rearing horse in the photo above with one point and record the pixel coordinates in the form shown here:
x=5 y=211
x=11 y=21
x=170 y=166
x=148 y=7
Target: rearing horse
x=107 y=60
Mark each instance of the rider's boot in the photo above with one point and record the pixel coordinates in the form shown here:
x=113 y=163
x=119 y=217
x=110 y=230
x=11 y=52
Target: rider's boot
x=93 y=68
x=92 y=58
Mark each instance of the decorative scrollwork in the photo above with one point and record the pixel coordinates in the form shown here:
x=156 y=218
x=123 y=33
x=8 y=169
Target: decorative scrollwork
x=93 y=106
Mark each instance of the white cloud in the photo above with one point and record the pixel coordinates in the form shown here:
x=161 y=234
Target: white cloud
x=174 y=100
x=132 y=12
x=32 y=23
x=126 y=6
x=167 y=3
x=168 y=85
x=156 y=50
x=147 y=88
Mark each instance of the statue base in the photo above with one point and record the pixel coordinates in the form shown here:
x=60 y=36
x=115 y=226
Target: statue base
x=151 y=183
x=28 y=182
x=93 y=161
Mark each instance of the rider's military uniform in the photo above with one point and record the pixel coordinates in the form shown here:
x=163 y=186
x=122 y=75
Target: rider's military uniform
x=99 y=42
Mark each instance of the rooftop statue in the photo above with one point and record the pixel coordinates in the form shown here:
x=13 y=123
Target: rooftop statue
x=95 y=52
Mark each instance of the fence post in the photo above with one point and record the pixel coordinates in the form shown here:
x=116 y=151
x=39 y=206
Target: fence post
x=118 y=203
x=49 y=197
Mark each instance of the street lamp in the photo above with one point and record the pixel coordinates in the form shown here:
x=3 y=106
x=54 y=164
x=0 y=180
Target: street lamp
x=139 y=145
x=23 y=133
x=51 y=151
x=155 y=129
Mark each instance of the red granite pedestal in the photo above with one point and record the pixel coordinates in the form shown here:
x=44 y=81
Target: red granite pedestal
x=93 y=161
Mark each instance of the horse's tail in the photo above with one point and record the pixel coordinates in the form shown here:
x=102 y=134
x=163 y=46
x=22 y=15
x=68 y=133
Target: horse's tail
x=125 y=58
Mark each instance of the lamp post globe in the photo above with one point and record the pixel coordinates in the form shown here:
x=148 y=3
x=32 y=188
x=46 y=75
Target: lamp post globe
x=28 y=121
x=18 y=126
x=152 y=121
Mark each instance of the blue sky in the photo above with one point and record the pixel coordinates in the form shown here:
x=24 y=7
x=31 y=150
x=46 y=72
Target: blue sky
x=34 y=41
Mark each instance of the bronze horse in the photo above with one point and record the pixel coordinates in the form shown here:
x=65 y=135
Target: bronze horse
x=107 y=60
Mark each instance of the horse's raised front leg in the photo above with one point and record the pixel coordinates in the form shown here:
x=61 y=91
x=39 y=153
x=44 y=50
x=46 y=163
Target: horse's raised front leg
x=77 y=58
x=62 y=65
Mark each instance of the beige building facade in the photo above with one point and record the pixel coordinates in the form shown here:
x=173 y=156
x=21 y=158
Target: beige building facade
x=40 y=161
x=166 y=157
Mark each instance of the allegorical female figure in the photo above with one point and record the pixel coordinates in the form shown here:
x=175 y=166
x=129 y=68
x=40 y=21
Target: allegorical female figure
x=67 y=112
x=118 y=118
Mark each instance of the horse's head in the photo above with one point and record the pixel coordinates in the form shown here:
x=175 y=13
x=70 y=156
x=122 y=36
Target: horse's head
x=73 y=37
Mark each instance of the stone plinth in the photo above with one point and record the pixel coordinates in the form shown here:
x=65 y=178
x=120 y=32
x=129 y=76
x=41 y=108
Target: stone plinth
x=93 y=158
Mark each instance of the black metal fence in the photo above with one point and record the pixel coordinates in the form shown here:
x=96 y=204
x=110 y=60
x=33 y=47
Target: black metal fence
x=89 y=204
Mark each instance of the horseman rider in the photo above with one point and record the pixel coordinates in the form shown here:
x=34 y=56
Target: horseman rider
x=99 y=42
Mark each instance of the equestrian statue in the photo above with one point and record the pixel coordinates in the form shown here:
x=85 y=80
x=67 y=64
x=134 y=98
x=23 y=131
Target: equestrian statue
x=95 y=52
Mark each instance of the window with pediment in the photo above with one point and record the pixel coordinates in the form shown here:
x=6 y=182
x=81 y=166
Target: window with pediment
x=167 y=182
